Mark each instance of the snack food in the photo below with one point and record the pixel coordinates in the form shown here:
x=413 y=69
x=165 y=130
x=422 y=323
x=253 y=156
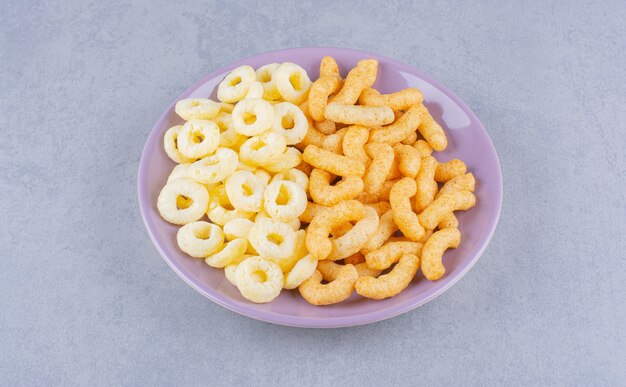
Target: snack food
x=320 y=185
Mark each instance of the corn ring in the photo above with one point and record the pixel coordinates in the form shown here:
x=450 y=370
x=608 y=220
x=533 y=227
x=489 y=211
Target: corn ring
x=238 y=228
x=293 y=223
x=259 y=289
x=318 y=95
x=403 y=215
x=353 y=143
x=312 y=210
x=255 y=91
x=263 y=175
x=444 y=204
x=229 y=138
x=382 y=157
x=230 y=271
x=290 y=159
x=333 y=292
x=358 y=115
x=328 y=195
x=221 y=210
x=400 y=129
x=272 y=239
x=386 y=228
x=431 y=130
x=317 y=241
x=284 y=200
x=300 y=272
x=180 y=170
x=449 y=170
x=262 y=150
x=294 y=175
x=299 y=252
x=331 y=162
x=325 y=127
x=183 y=201
x=198 y=138
x=230 y=253
x=392 y=283
x=448 y=221
x=400 y=100
x=463 y=182
x=265 y=75
x=359 y=78
x=433 y=251
x=241 y=166
x=215 y=168
x=409 y=160
x=290 y=122
x=426 y=185
x=236 y=84
x=389 y=253
x=352 y=241
x=252 y=117
x=199 y=239
x=423 y=148
x=245 y=191
x=329 y=67
x=170 y=144
x=226 y=107
x=197 y=108
x=293 y=82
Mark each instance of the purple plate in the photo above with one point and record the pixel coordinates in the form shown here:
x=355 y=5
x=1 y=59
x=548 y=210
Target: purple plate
x=468 y=140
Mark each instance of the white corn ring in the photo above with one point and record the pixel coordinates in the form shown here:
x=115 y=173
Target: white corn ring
x=200 y=239
x=183 y=201
x=232 y=252
x=245 y=191
x=292 y=82
x=197 y=108
x=262 y=150
x=253 y=116
x=272 y=239
x=291 y=122
x=198 y=138
x=214 y=168
x=256 y=289
x=170 y=144
x=300 y=272
x=236 y=84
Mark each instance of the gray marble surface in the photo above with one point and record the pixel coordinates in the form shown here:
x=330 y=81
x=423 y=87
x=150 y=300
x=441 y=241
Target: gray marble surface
x=85 y=298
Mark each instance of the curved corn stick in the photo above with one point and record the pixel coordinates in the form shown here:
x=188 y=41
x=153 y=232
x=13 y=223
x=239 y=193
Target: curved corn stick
x=400 y=100
x=360 y=77
x=444 y=204
x=431 y=130
x=403 y=215
x=353 y=143
x=318 y=95
x=426 y=185
x=333 y=292
x=410 y=139
x=332 y=162
x=325 y=127
x=409 y=160
x=317 y=240
x=390 y=253
x=382 y=157
x=400 y=129
x=433 y=250
x=328 y=67
x=358 y=115
x=380 y=207
x=448 y=221
x=386 y=228
x=311 y=211
x=449 y=170
x=328 y=195
x=354 y=259
x=463 y=182
x=390 y=284
x=352 y=241
x=423 y=148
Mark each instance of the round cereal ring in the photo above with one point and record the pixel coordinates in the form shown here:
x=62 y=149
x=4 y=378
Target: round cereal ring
x=229 y=138
x=449 y=170
x=284 y=200
x=170 y=144
x=183 y=201
x=333 y=292
x=322 y=192
x=221 y=210
x=253 y=116
x=180 y=170
x=317 y=240
x=262 y=150
x=197 y=108
x=392 y=283
x=446 y=203
x=265 y=75
x=294 y=175
x=245 y=191
x=236 y=84
x=354 y=142
x=290 y=159
x=386 y=228
x=300 y=272
x=255 y=289
x=200 y=239
x=272 y=239
x=198 y=138
x=238 y=228
x=390 y=253
x=215 y=168
x=230 y=253
x=293 y=223
x=354 y=240
x=241 y=166
x=292 y=82
x=230 y=272
x=403 y=215
x=287 y=264
x=290 y=122
x=263 y=175
x=226 y=107
x=426 y=185
x=255 y=91
x=382 y=157
x=433 y=250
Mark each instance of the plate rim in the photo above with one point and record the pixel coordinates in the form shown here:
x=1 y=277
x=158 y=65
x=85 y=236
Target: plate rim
x=311 y=322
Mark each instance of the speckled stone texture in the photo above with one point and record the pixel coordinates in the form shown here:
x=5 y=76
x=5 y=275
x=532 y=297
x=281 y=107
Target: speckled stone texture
x=85 y=298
